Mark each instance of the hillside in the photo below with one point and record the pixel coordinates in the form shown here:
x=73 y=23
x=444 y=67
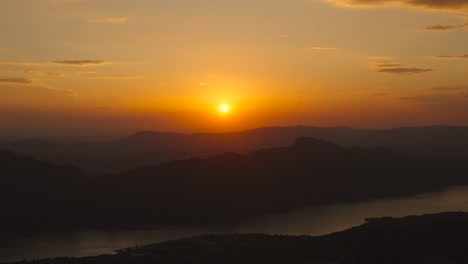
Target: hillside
x=30 y=188
x=231 y=186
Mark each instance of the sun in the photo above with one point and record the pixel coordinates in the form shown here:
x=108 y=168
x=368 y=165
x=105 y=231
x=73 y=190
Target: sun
x=224 y=108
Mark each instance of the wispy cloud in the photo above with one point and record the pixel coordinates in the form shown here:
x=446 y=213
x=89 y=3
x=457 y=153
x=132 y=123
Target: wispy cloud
x=15 y=80
x=372 y=92
x=449 y=89
x=382 y=59
x=453 y=57
x=23 y=63
x=131 y=77
x=460 y=91
x=110 y=20
x=387 y=66
x=82 y=63
x=63 y=92
x=64 y=1
x=440 y=27
x=426 y=98
x=440 y=95
x=39 y=94
x=403 y=70
x=425 y=4
x=448 y=96
x=323 y=48
x=43 y=73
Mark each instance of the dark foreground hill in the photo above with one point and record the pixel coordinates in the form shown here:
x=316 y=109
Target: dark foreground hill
x=227 y=187
x=437 y=238
x=150 y=148
x=28 y=186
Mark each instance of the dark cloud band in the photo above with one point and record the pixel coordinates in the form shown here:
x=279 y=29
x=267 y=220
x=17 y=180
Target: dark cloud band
x=81 y=62
x=15 y=80
x=453 y=57
x=397 y=68
x=404 y=70
x=428 y=4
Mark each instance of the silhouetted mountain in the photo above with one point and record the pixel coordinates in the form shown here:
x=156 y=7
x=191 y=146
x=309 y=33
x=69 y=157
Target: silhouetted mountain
x=30 y=187
x=314 y=145
x=151 y=148
x=310 y=172
x=437 y=238
x=23 y=170
x=231 y=186
x=433 y=140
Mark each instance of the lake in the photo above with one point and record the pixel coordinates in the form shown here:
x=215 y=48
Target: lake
x=307 y=221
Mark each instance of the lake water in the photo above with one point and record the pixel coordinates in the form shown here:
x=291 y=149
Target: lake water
x=307 y=221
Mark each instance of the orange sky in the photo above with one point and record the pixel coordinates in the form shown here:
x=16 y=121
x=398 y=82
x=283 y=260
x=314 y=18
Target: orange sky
x=115 y=66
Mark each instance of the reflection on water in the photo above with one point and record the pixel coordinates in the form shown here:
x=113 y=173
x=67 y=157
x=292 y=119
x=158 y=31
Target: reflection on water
x=307 y=221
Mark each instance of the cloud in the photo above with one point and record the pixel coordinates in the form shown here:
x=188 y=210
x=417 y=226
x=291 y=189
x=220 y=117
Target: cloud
x=379 y=94
x=81 y=63
x=87 y=72
x=448 y=89
x=387 y=66
x=372 y=92
x=43 y=73
x=403 y=70
x=23 y=63
x=426 y=99
x=96 y=76
x=131 y=77
x=110 y=20
x=15 y=80
x=65 y=1
x=62 y=92
x=381 y=58
x=35 y=95
x=425 y=4
x=460 y=91
x=453 y=57
x=323 y=48
x=439 y=27
x=440 y=95
x=447 y=98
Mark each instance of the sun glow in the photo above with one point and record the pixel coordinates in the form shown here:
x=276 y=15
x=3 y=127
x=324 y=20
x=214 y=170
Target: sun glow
x=224 y=108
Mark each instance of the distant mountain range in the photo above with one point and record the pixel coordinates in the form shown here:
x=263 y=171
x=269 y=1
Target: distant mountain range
x=226 y=187
x=435 y=238
x=151 y=148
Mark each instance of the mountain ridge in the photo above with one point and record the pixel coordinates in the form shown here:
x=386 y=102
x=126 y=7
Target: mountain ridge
x=230 y=186
x=150 y=148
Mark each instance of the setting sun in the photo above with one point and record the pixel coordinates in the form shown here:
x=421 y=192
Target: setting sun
x=224 y=108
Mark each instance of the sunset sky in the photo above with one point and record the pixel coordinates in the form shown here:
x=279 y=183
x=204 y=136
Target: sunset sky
x=119 y=66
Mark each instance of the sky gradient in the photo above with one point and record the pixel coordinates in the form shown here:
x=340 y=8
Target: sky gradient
x=118 y=66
